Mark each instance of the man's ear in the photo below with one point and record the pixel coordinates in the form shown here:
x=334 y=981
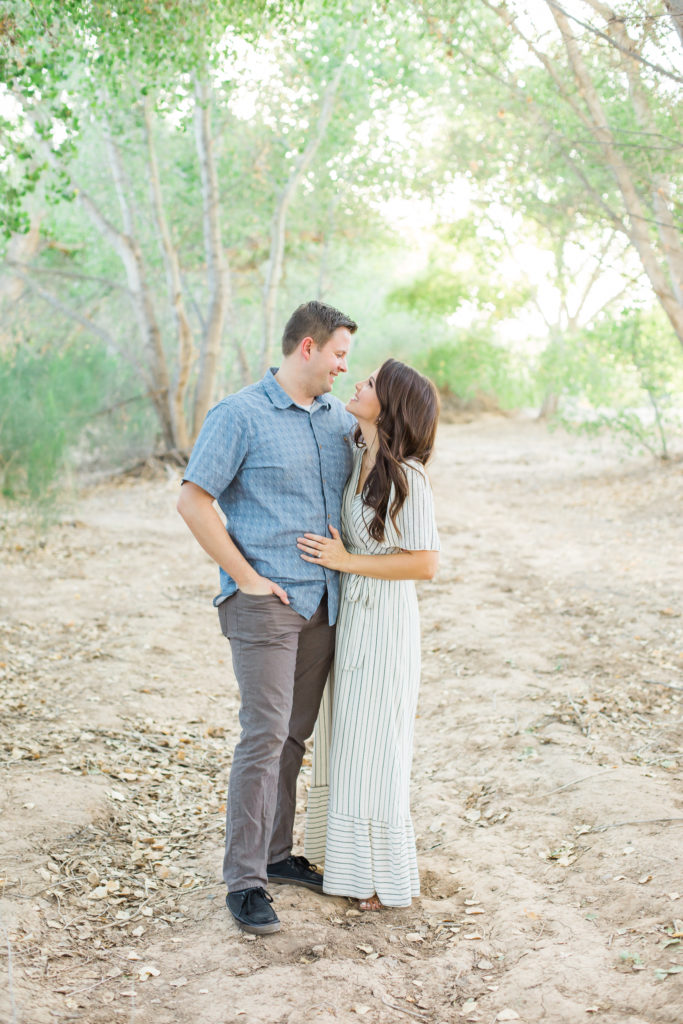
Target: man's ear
x=306 y=346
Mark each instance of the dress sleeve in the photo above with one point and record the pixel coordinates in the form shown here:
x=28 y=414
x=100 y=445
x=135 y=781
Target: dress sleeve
x=416 y=520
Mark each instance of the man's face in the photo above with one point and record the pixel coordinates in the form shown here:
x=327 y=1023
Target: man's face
x=325 y=363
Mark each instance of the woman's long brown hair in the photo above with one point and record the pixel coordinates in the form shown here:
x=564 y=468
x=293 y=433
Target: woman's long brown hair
x=406 y=428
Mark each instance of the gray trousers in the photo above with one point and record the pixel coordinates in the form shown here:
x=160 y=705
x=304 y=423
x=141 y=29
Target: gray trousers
x=281 y=661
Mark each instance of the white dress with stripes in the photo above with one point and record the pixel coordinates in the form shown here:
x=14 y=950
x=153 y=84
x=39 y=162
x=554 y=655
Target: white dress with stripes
x=358 y=820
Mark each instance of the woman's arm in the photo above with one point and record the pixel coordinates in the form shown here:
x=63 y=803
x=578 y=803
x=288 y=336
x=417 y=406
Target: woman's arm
x=403 y=565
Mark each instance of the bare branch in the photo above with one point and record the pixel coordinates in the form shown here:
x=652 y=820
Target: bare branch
x=603 y=35
x=277 y=243
x=89 y=325
x=186 y=349
x=637 y=229
x=675 y=9
x=550 y=66
x=660 y=187
x=216 y=266
x=70 y=274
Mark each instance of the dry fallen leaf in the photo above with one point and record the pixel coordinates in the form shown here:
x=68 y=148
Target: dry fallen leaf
x=148 y=972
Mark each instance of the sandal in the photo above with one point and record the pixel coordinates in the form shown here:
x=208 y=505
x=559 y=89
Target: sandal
x=371 y=903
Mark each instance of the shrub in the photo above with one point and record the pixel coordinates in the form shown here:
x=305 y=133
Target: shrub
x=472 y=365
x=46 y=397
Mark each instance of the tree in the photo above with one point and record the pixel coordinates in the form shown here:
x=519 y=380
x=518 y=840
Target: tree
x=64 y=64
x=298 y=144
x=569 y=130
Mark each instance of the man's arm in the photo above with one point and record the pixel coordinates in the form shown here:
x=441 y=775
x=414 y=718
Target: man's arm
x=195 y=505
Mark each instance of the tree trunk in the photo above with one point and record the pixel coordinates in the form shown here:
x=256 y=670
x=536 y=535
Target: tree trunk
x=184 y=335
x=675 y=9
x=217 y=271
x=660 y=188
x=638 y=216
x=279 y=223
x=128 y=249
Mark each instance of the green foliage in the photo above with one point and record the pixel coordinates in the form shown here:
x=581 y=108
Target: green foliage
x=473 y=365
x=438 y=291
x=67 y=60
x=624 y=375
x=464 y=267
x=46 y=397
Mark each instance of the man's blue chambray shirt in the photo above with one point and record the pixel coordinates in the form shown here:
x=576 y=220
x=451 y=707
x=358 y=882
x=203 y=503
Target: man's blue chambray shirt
x=276 y=471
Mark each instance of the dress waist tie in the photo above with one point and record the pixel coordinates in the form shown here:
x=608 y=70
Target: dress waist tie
x=358 y=590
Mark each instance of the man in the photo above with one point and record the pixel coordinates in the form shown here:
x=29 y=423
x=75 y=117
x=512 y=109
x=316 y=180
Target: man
x=275 y=456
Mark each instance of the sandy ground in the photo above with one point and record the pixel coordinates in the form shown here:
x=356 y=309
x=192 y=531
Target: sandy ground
x=547 y=790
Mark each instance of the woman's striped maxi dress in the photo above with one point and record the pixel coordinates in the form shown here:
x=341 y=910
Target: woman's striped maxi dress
x=358 y=821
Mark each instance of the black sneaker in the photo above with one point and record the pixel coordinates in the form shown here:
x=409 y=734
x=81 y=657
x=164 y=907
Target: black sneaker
x=296 y=871
x=252 y=910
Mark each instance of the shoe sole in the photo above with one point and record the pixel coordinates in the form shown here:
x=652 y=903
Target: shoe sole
x=258 y=929
x=295 y=881
x=254 y=929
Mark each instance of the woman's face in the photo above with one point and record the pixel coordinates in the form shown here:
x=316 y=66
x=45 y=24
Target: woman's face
x=365 y=405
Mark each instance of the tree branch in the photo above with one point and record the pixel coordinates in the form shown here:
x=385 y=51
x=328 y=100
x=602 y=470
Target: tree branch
x=217 y=272
x=277 y=243
x=637 y=232
x=71 y=274
x=89 y=325
x=186 y=349
x=557 y=8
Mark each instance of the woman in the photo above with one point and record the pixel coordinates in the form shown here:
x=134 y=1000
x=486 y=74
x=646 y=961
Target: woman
x=358 y=818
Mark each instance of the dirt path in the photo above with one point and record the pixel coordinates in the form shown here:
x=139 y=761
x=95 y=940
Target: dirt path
x=547 y=777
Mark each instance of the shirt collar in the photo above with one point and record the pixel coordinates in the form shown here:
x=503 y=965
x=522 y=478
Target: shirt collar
x=278 y=395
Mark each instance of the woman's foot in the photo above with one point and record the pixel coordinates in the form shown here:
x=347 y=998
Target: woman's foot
x=371 y=903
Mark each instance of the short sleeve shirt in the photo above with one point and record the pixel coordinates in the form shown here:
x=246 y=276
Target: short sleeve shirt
x=276 y=471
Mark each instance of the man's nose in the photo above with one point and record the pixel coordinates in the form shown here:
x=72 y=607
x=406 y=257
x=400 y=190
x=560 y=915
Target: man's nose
x=342 y=366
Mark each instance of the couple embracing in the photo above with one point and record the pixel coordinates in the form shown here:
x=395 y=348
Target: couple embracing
x=329 y=519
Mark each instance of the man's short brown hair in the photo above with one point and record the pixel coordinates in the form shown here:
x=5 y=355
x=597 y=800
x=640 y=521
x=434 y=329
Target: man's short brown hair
x=314 y=320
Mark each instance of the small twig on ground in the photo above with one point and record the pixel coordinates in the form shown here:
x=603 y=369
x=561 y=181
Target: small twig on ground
x=657 y=682
x=88 y=988
x=401 y=1009
x=643 y=821
x=575 y=782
